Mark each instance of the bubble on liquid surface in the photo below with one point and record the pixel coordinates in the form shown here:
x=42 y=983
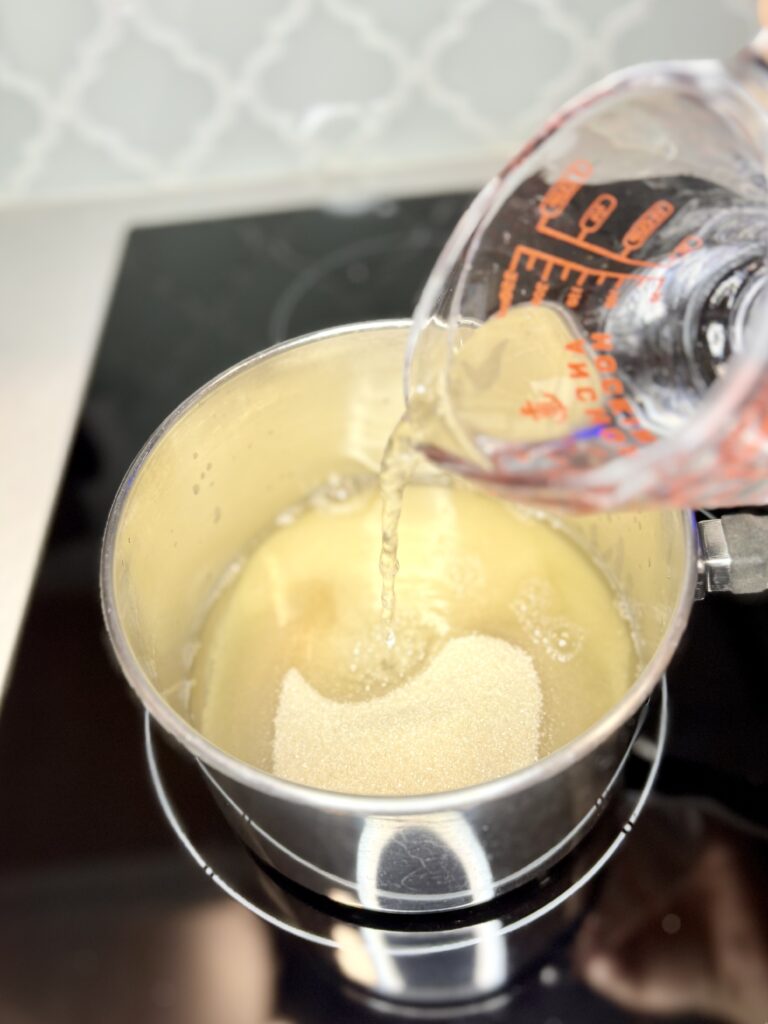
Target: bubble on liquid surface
x=337 y=489
x=288 y=515
x=559 y=638
x=562 y=640
x=535 y=594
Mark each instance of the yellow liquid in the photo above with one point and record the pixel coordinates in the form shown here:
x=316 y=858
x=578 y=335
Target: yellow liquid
x=308 y=598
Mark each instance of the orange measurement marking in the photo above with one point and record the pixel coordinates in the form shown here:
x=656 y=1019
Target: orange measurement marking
x=549 y=406
x=530 y=257
x=598 y=416
x=556 y=199
x=643 y=436
x=616 y=415
x=596 y=214
x=507 y=289
x=646 y=225
x=559 y=194
x=686 y=246
x=601 y=341
x=586 y=394
x=544 y=229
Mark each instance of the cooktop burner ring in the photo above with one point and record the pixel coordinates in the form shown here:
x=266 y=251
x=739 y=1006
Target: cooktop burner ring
x=357 y=261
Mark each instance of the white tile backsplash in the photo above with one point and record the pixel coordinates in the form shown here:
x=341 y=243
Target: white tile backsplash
x=100 y=96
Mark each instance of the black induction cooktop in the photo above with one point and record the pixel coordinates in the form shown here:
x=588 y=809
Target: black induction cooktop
x=104 y=918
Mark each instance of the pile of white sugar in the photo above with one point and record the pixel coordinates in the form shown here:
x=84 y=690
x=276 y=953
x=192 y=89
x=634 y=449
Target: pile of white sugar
x=474 y=714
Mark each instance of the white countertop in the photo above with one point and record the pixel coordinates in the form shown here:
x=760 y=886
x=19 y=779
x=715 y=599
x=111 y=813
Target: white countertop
x=57 y=268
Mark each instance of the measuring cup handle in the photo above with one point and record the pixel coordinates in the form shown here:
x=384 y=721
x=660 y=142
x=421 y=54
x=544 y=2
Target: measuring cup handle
x=733 y=555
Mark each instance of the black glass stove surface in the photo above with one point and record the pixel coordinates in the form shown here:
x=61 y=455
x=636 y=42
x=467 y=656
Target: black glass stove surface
x=103 y=918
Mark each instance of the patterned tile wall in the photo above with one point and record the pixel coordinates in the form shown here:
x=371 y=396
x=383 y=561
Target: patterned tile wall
x=113 y=96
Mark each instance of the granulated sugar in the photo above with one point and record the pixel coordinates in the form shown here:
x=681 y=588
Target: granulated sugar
x=474 y=714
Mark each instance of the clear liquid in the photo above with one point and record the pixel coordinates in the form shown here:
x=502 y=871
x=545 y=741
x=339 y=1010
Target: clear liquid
x=397 y=467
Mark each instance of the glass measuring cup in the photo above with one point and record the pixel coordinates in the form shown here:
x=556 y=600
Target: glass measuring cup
x=595 y=333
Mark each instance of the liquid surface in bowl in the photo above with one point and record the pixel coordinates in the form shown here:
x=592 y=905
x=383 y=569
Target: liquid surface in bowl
x=509 y=642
